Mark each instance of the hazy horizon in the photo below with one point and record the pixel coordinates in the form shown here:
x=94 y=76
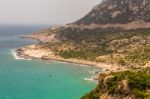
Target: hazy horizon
x=43 y=11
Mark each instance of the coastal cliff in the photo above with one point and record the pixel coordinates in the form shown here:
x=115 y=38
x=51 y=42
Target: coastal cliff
x=122 y=85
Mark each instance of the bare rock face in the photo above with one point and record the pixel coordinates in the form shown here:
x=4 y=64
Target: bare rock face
x=123 y=87
x=103 y=77
x=118 y=12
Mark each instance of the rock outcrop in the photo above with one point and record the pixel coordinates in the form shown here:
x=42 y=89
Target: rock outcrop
x=122 y=85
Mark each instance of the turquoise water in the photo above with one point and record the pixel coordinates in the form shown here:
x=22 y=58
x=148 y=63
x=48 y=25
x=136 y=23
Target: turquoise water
x=37 y=79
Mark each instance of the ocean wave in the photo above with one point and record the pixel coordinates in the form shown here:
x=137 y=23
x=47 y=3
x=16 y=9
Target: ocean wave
x=76 y=64
x=82 y=65
x=93 y=79
x=14 y=54
x=89 y=79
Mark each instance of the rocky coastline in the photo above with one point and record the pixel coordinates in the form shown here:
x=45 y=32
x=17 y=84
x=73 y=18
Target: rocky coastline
x=36 y=52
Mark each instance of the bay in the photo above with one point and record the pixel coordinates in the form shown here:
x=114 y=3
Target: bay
x=37 y=79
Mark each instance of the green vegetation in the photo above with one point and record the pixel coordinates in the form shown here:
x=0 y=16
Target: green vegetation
x=138 y=83
x=116 y=45
x=139 y=56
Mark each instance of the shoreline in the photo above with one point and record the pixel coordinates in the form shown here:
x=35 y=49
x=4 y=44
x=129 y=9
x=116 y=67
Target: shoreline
x=93 y=78
x=35 y=52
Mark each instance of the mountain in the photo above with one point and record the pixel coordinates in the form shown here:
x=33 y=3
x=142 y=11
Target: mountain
x=118 y=12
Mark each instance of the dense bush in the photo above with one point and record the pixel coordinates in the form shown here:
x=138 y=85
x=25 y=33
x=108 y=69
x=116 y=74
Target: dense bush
x=140 y=55
x=138 y=82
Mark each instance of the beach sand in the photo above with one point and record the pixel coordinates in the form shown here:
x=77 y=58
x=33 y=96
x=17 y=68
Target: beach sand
x=36 y=52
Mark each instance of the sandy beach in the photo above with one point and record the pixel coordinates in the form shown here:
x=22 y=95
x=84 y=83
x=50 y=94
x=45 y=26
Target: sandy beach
x=36 y=52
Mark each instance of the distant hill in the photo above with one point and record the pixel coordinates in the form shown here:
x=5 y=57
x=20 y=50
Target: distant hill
x=118 y=11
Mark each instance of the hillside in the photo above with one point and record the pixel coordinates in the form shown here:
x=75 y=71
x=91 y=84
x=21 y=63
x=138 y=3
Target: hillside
x=122 y=85
x=112 y=45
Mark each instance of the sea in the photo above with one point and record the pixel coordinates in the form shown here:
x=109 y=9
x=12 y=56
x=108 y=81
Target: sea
x=38 y=79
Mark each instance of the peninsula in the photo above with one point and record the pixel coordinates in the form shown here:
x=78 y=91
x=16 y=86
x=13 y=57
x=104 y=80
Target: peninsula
x=115 y=36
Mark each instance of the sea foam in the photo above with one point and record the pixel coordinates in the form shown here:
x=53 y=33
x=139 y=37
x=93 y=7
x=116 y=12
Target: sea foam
x=14 y=53
x=92 y=78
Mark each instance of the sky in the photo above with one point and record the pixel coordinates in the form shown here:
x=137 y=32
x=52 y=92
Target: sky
x=44 y=11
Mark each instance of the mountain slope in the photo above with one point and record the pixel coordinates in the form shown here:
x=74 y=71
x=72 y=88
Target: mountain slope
x=118 y=11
